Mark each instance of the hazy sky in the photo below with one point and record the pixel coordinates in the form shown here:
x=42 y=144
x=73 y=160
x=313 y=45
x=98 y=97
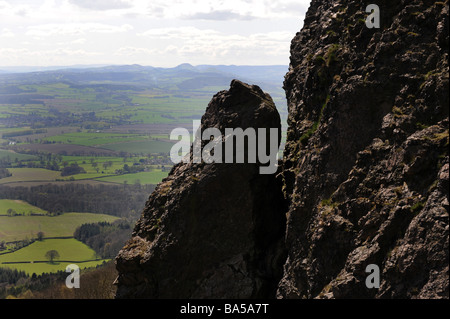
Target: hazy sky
x=149 y=32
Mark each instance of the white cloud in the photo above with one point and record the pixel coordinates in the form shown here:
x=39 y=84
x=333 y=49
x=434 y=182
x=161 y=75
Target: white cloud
x=196 y=35
x=5 y=52
x=8 y=9
x=79 y=41
x=212 y=10
x=184 y=33
x=45 y=57
x=102 y=4
x=133 y=51
x=75 y=29
x=228 y=10
x=190 y=43
x=157 y=32
x=6 y=33
x=219 y=15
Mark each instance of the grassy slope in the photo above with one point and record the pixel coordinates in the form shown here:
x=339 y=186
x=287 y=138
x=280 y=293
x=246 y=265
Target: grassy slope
x=70 y=250
x=30 y=174
x=153 y=177
x=145 y=147
x=19 y=206
x=13 y=155
x=93 y=139
x=21 y=227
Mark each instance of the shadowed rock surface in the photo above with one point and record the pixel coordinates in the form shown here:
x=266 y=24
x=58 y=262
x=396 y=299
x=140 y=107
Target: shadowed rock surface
x=366 y=160
x=364 y=178
x=211 y=230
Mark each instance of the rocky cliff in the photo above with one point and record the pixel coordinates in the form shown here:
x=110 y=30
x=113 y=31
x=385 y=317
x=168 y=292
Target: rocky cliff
x=364 y=178
x=211 y=230
x=366 y=162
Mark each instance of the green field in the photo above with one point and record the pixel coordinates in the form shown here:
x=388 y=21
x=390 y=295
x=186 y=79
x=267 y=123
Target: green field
x=144 y=147
x=95 y=139
x=99 y=172
x=13 y=155
x=117 y=129
x=30 y=174
x=153 y=177
x=21 y=227
x=6 y=109
x=71 y=251
x=20 y=207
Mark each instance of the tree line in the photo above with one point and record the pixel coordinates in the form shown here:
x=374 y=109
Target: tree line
x=118 y=200
x=11 y=276
x=4 y=172
x=106 y=239
x=97 y=283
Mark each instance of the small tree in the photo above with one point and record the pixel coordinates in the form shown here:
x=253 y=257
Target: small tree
x=11 y=212
x=51 y=255
x=40 y=236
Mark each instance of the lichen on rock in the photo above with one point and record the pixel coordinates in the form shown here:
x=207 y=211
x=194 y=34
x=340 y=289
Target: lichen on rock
x=364 y=187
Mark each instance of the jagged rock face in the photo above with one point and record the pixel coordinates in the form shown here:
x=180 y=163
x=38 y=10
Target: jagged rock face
x=364 y=179
x=211 y=230
x=366 y=161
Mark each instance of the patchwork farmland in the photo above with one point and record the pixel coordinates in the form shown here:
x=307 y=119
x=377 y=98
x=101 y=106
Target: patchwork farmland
x=81 y=151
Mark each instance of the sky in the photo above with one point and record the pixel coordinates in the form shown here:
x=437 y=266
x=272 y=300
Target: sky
x=161 y=33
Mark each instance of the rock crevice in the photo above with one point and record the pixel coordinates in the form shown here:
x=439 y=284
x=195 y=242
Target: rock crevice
x=211 y=230
x=363 y=180
x=366 y=149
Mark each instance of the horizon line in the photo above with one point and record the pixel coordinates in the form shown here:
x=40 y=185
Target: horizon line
x=131 y=64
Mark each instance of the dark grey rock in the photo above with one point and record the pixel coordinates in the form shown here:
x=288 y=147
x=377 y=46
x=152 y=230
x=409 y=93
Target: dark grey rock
x=211 y=230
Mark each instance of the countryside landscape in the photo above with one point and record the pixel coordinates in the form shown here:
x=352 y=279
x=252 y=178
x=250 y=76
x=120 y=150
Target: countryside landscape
x=81 y=150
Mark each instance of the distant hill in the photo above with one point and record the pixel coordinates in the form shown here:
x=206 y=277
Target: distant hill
x=185 y=76
x=27 y=69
